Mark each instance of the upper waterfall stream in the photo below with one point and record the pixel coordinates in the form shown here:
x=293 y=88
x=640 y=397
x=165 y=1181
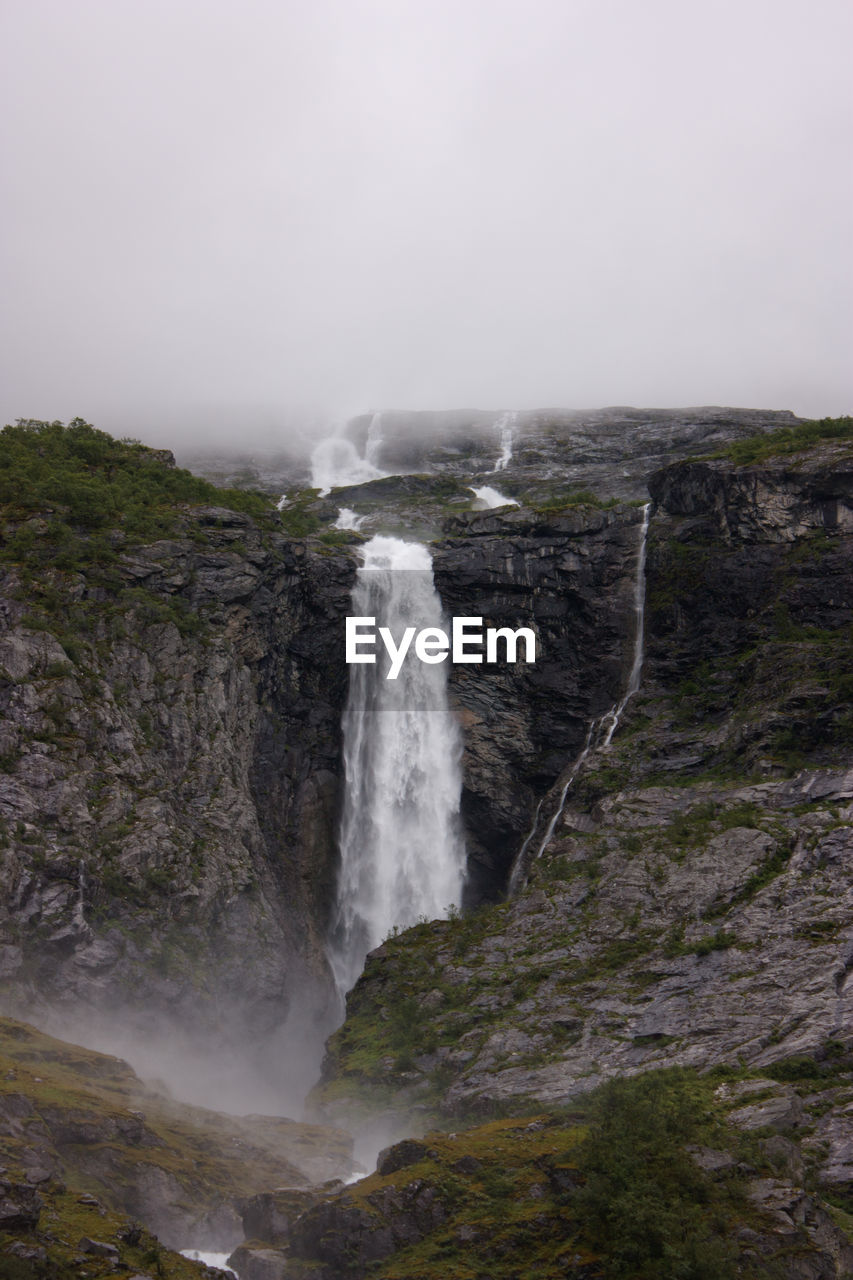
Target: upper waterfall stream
x=402 y=850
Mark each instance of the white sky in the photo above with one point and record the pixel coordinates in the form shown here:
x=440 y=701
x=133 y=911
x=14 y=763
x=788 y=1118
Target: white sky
x=227 y=217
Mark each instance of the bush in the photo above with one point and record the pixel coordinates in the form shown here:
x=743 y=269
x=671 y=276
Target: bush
x=785 y=440
x=650 y=1209
x=80 y=479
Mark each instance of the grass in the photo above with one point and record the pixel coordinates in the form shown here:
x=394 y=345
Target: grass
x=73 y=501
x=604 y=1187
x=786 y=440
x=207 y=1153
x=80 y=478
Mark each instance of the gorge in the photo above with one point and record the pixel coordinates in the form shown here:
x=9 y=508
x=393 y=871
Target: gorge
x=567 y=878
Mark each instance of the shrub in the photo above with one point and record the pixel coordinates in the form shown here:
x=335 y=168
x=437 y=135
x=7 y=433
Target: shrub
x=649 y=1208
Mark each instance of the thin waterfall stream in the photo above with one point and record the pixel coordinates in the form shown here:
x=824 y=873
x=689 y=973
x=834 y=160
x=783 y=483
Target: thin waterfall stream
x=401 y=844
x=601 y=728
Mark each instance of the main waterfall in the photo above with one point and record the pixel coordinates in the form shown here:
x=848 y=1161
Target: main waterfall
x=402 y=850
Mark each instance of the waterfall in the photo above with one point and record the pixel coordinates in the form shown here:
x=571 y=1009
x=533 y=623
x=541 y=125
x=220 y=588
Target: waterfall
x=601 y=728
x=506 y=426
x=402 y=850
x=490 y=497
x=347 y=519
x=335 y=461
x=613 y=716
x=373 y=443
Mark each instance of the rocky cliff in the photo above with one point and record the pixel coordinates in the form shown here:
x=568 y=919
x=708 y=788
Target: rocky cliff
x=694 y=904
x=702 y=857
x=172 y=749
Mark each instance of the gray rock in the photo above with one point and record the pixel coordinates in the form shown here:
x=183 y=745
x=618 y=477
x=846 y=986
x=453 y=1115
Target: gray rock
x=100 y=1249
x=252 y=1263
x=400 y=1156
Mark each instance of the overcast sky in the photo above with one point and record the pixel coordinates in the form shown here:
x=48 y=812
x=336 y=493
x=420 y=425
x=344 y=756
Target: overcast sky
x=282 y=211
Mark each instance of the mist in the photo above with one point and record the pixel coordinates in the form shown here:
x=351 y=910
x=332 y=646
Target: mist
x=249 y=221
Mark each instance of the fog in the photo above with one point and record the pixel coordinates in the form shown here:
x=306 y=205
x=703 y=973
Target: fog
x=238 y=223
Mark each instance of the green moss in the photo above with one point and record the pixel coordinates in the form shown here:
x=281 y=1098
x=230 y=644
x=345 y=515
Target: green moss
x=787 y=440
x=77 y=477
x=212 y=1156
x=605 y=1187
x=566 y=499
x=297 y=517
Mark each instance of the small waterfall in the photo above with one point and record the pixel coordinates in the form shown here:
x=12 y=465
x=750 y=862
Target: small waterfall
x=374 y=441
x=490 y=497
x=335 y=461
x=79 y=909
x=348 y=519
x=602 y=728
x=612 y=718
x=402 y=851
x=506 y=426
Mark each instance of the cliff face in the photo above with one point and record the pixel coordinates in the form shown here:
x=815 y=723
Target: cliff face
x=170 y=745
x=611 y=452
x=172 y=784
x=694 y=906
x=170 y=792
x=570 y=577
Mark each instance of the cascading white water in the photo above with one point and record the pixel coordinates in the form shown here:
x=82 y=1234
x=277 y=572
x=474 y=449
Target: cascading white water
x=602 y=728
x=402 y=850
x=373 y=443
x=490 y=497
x=612 y=718
x=348 y=519
x=506 y=426
x=336 y=462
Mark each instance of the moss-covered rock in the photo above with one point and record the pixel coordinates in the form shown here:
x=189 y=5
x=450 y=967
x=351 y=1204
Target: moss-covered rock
x=74 y=1123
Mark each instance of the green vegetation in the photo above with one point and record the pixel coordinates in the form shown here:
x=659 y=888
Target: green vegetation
x=787 y=440
x=72 y=501
x=133 y=1137
x=565 y=500
x=646 y=1204
x=297 y=518
x=80 y=478
x=606 y=1187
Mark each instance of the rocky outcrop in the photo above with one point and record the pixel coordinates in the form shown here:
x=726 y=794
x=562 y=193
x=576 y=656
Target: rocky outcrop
x=518 y=1196
x=170 y=791
x=694 y=905
x=71 y=1119
x=570 y=577
x=611 y=452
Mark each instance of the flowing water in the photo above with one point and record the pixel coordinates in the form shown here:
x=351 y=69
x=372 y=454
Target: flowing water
x=402 y=850
x=506 y=426
x=210 y=1259
x=490 y=497
x=336 y=462
x=601 y=729
x=348 y=519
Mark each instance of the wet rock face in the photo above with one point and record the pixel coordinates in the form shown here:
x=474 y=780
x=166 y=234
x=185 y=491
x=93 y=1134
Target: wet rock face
x=20 y=1206
x=750 y=596
x=170 y=790
x=571 y=579
x=609 y=451
x=694 y=904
